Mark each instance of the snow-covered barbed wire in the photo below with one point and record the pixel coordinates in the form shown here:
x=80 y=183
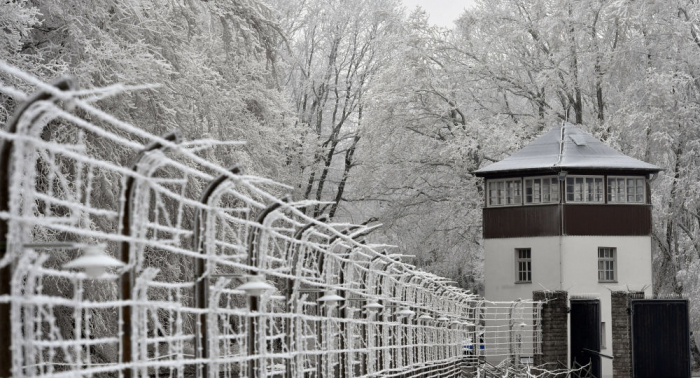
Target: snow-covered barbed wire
x=507 y=369
x=190 y=233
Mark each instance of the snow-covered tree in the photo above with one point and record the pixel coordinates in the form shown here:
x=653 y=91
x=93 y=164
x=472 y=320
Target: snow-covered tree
x=336 y=49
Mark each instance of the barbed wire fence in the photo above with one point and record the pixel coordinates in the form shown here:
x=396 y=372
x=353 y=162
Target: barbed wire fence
x=221 y=276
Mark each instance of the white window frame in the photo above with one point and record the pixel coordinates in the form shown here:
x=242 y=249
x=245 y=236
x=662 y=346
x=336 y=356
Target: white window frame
x=603 y=260
x=541 y=178
x=504 y=188
x=584 y=189
x=527 y=272
x=625 y=190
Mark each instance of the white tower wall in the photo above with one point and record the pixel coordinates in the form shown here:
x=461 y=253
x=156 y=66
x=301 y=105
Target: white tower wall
x=569 y=263
x=500 y=269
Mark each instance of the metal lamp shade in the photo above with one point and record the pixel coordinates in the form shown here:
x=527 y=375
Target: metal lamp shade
x=373 y=306
x=94 y=261
x=255 y=286
x=330 y=298
x=405 y=311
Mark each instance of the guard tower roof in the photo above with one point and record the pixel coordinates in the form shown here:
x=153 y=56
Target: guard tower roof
x=566 y=147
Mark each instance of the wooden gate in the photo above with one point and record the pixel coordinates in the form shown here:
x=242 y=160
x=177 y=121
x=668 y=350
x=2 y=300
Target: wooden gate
x=660 y=338
x=585 y=333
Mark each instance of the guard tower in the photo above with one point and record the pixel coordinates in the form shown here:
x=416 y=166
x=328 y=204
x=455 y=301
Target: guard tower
x=567 y=212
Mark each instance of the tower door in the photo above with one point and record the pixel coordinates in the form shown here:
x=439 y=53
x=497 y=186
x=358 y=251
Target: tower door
x=585 y=333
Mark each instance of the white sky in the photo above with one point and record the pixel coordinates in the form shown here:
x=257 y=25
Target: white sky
x=442 y=12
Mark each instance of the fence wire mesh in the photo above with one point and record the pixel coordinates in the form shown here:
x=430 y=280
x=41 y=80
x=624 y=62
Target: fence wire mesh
x=191 y=232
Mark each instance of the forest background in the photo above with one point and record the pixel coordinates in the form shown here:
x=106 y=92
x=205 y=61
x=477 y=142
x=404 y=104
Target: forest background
x=364 y=105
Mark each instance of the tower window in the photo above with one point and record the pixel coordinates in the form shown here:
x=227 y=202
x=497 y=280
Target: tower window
x=607 y=266
x=505 y=192
x=541 y=190
x=586 y=189
x=626 y=190
x=523 y=265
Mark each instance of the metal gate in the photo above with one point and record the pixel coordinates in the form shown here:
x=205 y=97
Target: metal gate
x=660 y=338
x=585 y=333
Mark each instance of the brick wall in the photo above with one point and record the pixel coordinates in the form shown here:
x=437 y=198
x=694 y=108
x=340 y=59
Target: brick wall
x=621 y=332
x=554 y=326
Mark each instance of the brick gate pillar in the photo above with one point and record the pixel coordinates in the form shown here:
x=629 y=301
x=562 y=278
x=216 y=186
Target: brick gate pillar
x=622 y=331
x=554 y=326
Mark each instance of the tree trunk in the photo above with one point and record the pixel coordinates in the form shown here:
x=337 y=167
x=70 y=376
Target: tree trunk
x=578 y=101
x=346 y=172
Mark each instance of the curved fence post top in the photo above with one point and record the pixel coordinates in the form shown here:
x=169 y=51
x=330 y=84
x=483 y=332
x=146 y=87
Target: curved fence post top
x=65 y=83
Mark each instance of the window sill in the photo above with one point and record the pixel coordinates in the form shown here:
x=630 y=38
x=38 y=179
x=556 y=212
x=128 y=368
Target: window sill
x=502 y=206
x=522 y=282
x=607 y=282
x=566 y=203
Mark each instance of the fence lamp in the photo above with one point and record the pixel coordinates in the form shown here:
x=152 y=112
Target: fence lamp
x=330 y=298
x=443 y=318
x=425 y=317
x=373 y=306
x=94 y=261
x=255 y=286
x=405 y=311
